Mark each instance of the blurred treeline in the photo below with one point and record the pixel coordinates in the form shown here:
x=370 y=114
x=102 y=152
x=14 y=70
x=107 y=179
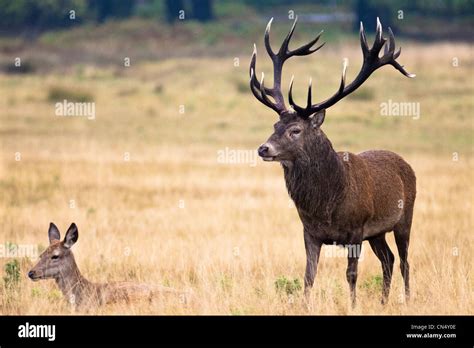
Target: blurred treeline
x=48 y=14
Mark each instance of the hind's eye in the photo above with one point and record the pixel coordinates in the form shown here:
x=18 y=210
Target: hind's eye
x=54 y=257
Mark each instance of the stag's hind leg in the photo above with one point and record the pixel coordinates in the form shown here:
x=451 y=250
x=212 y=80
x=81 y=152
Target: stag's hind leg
x=382 y=251
x=402 y=238
x=351 y=272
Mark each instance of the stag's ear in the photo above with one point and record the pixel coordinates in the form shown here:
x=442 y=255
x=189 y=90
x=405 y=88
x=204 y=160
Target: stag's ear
x=53 y=233
x=72 y=235
x=317 y=119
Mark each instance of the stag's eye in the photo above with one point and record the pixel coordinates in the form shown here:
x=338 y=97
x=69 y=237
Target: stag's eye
x=294 y=132
x=54 y=257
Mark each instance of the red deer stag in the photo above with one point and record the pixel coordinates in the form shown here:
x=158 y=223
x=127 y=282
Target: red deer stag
x=341 y=197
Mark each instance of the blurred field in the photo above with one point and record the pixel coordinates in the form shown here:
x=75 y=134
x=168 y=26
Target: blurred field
x=173 y=215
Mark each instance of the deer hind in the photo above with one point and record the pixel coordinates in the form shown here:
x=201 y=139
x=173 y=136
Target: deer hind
x=57 y=262
x=341 y=197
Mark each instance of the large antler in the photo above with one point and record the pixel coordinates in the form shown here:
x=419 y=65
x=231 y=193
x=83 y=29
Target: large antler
x=372 y=62
x=259 y=90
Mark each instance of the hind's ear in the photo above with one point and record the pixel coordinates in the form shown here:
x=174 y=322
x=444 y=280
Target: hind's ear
x=53 y=233
x=317 y=119
x=72 y=235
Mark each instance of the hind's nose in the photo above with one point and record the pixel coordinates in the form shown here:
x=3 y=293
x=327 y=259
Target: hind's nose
x=263 y=150
x=31 y=274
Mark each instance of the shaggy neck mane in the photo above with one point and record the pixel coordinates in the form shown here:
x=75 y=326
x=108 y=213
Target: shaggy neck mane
x=316 y=180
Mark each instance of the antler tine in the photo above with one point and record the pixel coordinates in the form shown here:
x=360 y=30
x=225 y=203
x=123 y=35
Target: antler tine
x=299 y=110
x=379 y=39
x=343 y=77
x=253 y=63
x=389 y=47
x=397 y=54
x=309 y=101
x=304 y=50
x=267 y=39
x=391 y=41
x=253 y=87
x=290 y=92
x=400 y=68
x=363 y=41
x=284 y=46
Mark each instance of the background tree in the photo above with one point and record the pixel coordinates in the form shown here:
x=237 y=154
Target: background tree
x=367 y=10
x=111 y=8
x=172 y=8
x=202 y=10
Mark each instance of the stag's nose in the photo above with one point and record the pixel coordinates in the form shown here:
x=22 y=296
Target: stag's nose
x=263 y=150
x=31 y=274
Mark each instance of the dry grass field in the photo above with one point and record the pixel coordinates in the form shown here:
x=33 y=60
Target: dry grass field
x=153 y=202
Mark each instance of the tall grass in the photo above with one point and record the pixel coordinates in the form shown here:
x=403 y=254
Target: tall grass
x=152 y=203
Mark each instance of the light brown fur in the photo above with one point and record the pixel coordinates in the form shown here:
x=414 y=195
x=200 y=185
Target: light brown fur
x=57 y=262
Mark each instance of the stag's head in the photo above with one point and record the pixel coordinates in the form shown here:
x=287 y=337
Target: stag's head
x=299 y=126
x=57 y=260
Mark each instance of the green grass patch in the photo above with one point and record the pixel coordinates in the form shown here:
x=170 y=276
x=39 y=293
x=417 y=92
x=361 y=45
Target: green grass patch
x=287 y=286
x=59 y=93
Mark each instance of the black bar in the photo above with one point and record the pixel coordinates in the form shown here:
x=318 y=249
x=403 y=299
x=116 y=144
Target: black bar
x=193 y=330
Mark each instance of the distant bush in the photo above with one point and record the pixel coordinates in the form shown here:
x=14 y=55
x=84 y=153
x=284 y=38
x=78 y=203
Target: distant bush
x=158 y=89
x=12 y=273
x=150 y=9
x=373 y=284
x=229 y=9
x=388 y=11
x=59 y=93
x=242 y=86
x=284 y=285
x=57 y=13
x=47 y=13
x=24 y=68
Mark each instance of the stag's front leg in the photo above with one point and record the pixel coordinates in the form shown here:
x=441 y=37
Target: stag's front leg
x=351 y=273
x=313 y=249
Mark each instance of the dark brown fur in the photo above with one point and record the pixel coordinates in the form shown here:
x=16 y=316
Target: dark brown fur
x=344 y=198
x=341 y=198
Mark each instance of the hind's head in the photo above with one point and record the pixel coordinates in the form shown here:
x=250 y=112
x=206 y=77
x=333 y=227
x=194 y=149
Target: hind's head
x=57 y=260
